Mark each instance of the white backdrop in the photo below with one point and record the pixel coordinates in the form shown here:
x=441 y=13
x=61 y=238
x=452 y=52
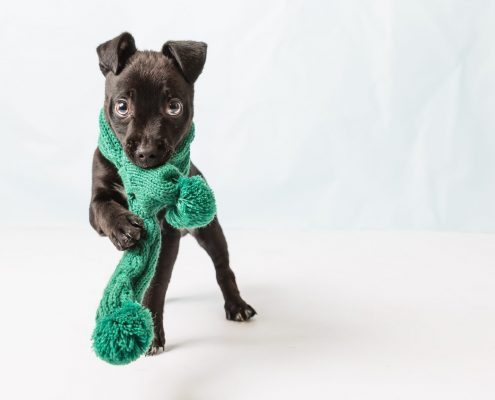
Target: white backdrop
x=338 y=114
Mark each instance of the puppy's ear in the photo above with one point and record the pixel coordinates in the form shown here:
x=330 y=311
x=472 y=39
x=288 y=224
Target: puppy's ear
x=114 y=54
x=190 y=57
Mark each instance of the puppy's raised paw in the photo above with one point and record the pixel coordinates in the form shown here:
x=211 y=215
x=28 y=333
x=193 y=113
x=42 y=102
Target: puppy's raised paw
x=126 y=231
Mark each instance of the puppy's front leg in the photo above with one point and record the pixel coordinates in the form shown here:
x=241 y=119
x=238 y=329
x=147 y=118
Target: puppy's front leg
x=108 y=212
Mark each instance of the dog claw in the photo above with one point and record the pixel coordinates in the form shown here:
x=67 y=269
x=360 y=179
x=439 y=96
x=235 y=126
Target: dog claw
x=238 y=317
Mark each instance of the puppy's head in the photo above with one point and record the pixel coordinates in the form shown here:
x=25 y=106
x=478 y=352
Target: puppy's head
x=149 y=95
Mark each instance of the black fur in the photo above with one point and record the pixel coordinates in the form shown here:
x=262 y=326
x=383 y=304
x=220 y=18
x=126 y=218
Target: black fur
x=147 y=81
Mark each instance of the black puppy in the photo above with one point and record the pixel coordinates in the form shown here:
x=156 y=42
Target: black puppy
x=149 y=105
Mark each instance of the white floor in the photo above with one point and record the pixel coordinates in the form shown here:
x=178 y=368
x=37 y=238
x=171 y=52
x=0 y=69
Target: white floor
x=341 y=316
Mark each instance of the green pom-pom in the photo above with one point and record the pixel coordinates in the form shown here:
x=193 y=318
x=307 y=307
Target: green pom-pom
x=195 y=206
x=123 y=335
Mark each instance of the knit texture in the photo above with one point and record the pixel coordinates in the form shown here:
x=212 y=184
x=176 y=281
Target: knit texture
x=124 y=328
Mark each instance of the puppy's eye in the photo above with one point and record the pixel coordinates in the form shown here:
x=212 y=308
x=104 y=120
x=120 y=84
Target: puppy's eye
x=121 y=107
x=174 y=107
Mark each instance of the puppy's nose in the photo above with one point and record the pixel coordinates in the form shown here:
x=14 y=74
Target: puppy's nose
x=146 y=153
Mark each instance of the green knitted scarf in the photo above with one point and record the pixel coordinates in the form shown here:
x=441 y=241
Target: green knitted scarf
x=124 y=328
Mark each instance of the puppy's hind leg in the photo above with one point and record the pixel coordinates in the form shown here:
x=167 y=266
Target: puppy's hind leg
x=212 y=239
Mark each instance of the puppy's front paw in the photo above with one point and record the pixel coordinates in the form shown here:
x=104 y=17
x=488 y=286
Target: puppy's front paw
x=239 y=311
x=155 y=350
x=126 y=231
x=158 y=344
